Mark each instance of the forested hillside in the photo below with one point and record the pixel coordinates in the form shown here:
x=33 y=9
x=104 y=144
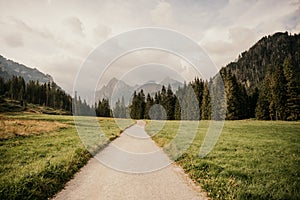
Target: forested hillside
x=9 y=68
x=47 y=95
x=270 y=74
x=266 y=55
x=25 y=85
x=43 y=94
x=264 y=83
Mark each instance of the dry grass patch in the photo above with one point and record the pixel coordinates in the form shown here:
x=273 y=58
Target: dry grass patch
x=10 y=128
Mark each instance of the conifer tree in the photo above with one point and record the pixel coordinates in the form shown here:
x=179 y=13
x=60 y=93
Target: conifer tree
x=170 y=103
x=198 y=85
x=235 y=97
x=292 y=90
x=117 y=109
x=137 y=108
x=205 y=104
x=103 y=108
x=218 y=97
x=262 y=111
x=192 y=104
x=253 y=98
x=157 y=112
x=149 y=103
x=2 y=86
x=177 y=109
x=142 y=104
x=122 y=108
x=278 y=95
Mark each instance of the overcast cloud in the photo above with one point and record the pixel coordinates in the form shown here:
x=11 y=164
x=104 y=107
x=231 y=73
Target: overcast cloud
x=57 y=36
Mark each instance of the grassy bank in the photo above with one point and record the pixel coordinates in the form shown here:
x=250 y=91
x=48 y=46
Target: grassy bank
x=9 y=105
x=40 y=153
x=252 y=159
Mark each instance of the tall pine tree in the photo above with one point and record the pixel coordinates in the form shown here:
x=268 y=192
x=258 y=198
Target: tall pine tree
x=293 y=91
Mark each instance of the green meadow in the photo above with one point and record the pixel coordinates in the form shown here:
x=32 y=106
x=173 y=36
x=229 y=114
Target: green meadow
x=40 y=153
x=251 y=160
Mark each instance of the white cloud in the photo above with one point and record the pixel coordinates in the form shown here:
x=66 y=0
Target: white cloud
x=14 y=40
x=292 y=20
x=225 y=51
x=101 y=32
x=242 y=23
x=162 y=14
x=75 y=25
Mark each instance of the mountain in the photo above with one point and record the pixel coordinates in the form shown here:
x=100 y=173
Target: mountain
x=174 y=83
x=150 y=87
x=269 y=52
x=115 y=89
x=18 y=93
x=9 y=68
x=265 y=80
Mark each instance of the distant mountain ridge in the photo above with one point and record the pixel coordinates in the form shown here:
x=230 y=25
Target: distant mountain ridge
x=9 y=68
x=115 y=89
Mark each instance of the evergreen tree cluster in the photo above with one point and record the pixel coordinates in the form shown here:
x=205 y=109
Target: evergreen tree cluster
x=140 y=107
x=47 y=94
x=120 y=110
x=103 y=109
x=81 y=108
x=238 y=103
x=279 y=96
x=266 y=78
x=100 y=109
x=165 y=104
x=137 y=108
x=277 y=99
x=251 y=67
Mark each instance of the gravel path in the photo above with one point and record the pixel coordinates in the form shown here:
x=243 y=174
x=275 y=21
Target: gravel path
x=117 y=175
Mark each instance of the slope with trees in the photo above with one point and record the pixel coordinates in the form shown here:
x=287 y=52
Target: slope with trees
x=47 y=94
x=263 y=83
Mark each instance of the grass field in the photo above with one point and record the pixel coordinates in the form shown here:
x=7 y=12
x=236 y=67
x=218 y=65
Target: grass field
x=251 y=160
x=40 y=153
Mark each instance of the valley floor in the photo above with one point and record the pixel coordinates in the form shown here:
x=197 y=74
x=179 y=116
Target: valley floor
x=251 y=159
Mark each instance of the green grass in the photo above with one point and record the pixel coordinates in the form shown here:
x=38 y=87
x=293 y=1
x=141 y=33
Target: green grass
x=251 y=160
x=9 y=105
x=37 y=166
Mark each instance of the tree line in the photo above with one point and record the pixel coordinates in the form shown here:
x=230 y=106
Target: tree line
x=100 y=109
x=278 y=98
x=50 y=95
x=165 y=104
x=43 y=94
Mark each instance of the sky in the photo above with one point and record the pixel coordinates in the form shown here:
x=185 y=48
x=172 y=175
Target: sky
x=57 y=36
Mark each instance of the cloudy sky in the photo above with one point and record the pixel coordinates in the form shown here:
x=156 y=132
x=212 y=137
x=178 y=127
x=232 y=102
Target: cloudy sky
x=56 y=36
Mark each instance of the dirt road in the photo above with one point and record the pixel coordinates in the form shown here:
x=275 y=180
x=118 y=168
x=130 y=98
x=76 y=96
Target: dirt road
x=131 y=167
